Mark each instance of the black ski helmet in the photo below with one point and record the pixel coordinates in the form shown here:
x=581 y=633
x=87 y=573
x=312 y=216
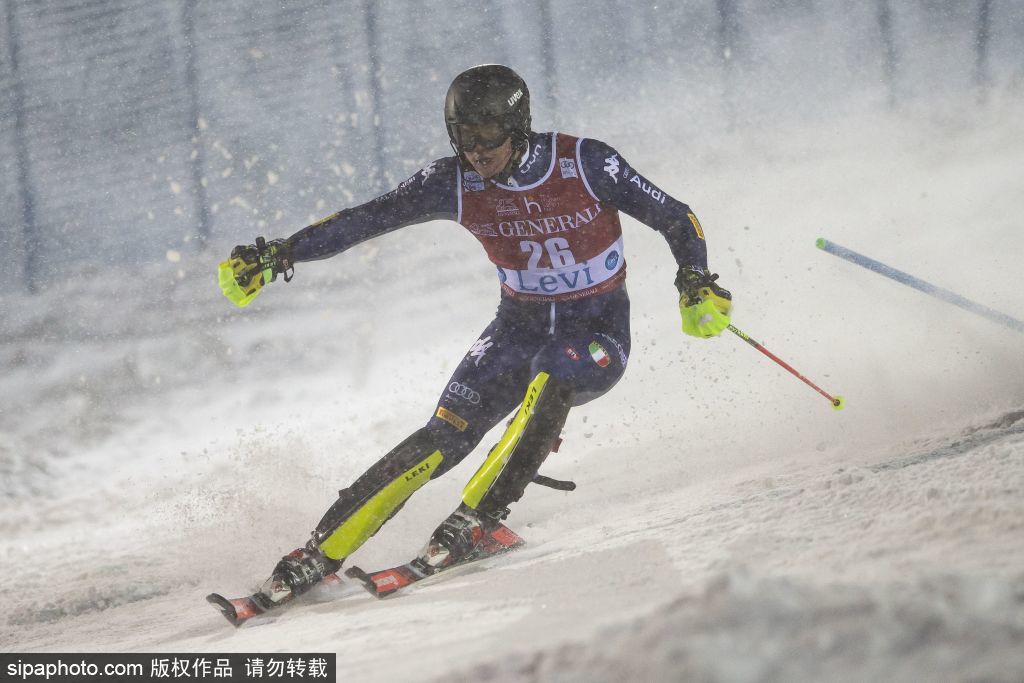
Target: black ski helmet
x=489 y=93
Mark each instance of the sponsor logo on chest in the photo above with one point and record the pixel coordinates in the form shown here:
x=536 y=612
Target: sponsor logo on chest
x=549 y=225
x=506 y=207
x=524 y=217
x=482 y=229
x=568 y=167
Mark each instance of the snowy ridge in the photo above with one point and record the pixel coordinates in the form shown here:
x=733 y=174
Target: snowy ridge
x=974 y=437
x=745 y=628
x=767 y=618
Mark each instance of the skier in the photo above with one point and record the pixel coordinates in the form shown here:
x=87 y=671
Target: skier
x=545 y=208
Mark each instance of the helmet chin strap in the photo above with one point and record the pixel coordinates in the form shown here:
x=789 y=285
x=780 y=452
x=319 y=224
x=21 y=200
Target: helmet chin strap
x=520 y=146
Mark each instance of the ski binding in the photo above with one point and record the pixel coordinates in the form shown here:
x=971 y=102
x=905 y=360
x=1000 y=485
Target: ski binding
x=386 y=582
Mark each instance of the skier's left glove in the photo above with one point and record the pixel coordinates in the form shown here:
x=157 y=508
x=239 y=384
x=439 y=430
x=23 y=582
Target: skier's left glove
x=251 y=266
x=703 y=305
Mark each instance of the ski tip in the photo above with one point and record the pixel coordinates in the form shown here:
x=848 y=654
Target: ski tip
x=225 y=607
x=236 y=611
x=363 y=578
x=821 y=243
x=356 y=573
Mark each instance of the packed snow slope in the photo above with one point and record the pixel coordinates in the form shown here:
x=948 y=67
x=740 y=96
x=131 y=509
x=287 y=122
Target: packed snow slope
x=158 y=445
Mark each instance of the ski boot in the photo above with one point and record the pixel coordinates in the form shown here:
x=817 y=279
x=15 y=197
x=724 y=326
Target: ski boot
x=296 y=573
x=458 y=536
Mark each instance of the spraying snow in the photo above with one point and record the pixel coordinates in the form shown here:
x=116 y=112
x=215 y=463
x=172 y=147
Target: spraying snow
x=728 y=525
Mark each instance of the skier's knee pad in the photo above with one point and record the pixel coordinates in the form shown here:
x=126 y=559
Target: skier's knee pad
x=373 y=498
x=515 y=459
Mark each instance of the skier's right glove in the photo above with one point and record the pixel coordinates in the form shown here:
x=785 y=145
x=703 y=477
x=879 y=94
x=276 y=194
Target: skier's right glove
x=251 y=266
x=703 y=305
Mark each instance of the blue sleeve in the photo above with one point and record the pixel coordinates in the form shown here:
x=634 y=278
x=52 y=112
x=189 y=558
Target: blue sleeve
x=431 y=194
x=615 y=182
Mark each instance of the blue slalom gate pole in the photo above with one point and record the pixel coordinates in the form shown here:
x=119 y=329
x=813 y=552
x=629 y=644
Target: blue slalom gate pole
x=918 y=284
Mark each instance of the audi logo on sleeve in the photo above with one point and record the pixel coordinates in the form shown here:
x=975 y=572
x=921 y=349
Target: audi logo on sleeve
x=462 y=391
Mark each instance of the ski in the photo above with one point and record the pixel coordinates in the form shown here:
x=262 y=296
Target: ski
x=240 y=610
x=386 y=582
x=381 y=583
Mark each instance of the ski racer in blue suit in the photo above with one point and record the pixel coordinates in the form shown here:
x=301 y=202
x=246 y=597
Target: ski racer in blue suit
x=545 y=207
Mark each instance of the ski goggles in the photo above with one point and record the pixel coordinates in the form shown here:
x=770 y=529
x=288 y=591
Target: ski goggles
x=467 y=136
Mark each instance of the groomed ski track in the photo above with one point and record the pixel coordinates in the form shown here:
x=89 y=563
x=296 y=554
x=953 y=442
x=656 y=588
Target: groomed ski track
x=728 y=524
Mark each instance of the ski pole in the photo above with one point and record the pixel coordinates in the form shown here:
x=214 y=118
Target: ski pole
x=916 y=283
x=837 y=401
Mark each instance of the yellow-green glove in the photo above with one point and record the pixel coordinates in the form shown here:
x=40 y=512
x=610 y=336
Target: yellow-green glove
x=250 y=267
x=703 y=305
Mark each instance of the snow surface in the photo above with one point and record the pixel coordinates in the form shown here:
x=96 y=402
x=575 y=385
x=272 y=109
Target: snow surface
x=157 y=445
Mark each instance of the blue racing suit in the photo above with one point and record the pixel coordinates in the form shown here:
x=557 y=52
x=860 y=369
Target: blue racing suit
x=552 y=230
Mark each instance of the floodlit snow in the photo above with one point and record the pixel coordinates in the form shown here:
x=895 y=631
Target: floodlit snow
x=158 y=445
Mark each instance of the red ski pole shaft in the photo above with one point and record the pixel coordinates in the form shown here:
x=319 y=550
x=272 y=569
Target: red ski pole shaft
x=836 y=401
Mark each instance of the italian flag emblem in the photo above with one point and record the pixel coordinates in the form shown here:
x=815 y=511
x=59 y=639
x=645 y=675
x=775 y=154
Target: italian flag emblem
x=599 y=355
